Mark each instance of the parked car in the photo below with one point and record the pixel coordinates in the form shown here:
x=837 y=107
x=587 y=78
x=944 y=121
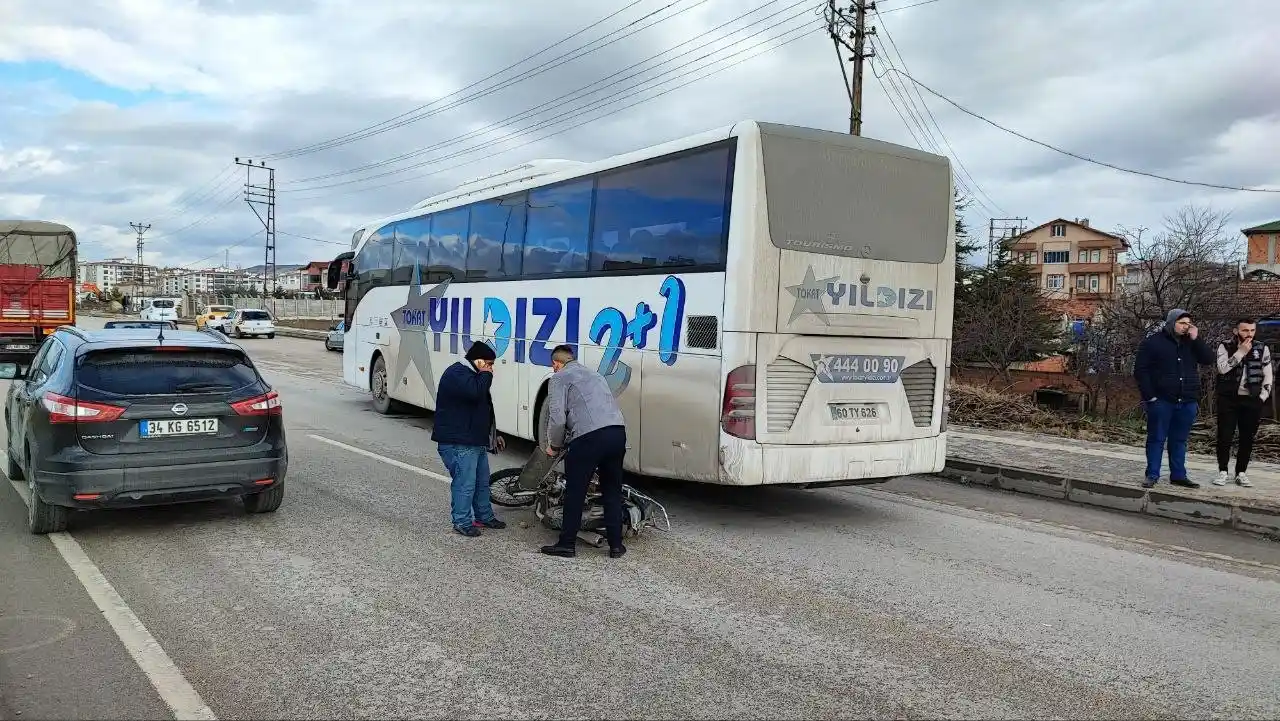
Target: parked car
x=130 y=417
x=333 y=339
x=212 y=312
x=243 y=322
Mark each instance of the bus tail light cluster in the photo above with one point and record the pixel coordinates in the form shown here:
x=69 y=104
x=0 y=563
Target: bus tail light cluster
x=946 y=398
x=738 y=415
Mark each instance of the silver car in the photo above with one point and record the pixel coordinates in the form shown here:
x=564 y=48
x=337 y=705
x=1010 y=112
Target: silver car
x=333 y=339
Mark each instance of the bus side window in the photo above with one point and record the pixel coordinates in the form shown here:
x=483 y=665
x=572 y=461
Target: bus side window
x=665 y=214
x=448 y=247
x=497 y=238
x=556 y=235
x=411 y=238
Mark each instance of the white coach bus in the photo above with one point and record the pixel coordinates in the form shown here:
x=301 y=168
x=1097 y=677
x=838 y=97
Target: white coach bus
x=772 y=304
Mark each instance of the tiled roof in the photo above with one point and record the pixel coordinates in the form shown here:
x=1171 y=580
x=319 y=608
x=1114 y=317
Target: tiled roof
x=1272 y=227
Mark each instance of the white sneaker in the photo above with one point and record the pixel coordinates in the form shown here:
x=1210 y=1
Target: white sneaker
x=1222 y=479
x=1243 y=480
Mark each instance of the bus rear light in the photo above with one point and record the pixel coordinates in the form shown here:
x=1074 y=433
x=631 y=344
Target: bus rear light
x=738 y=414
x=946 y=399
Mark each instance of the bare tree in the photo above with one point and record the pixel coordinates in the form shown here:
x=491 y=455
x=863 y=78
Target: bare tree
x=1192 y=264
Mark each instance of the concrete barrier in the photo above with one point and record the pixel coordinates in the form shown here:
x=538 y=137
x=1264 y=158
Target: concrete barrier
x=1257 y=518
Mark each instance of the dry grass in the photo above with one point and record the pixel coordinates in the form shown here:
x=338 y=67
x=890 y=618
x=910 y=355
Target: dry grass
x=981 y=407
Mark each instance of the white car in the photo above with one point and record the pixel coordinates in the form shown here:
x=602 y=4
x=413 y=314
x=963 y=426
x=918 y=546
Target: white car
x=160 y=309
x=245 y=322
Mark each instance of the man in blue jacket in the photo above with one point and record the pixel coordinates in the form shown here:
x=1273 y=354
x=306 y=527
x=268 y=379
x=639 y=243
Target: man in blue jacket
x=465 y=431
x=1168 y=375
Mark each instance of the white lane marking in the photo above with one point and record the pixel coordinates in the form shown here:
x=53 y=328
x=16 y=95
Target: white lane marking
x=174 y=689
x=389 y=461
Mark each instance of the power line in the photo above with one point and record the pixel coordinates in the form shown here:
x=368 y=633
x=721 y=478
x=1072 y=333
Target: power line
x=893 y=46
x=788 y=41
x=410 y=117
x=1077 y=156
x=614 y=83
x=904 y=7
x=574 y=112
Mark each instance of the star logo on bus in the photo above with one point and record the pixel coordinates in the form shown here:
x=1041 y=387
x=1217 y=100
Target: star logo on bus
x=413 y=341
x=808 y=295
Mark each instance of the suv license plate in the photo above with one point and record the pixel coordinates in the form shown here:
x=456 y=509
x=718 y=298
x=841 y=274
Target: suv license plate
x=178 y=427
x=855 y=412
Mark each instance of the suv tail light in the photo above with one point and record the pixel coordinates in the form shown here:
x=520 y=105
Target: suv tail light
x=738 y=415
x=263 y=405
x=69 y=410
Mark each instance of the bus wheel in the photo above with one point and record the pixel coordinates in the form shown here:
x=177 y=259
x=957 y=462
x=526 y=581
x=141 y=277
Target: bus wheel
x=382 y=400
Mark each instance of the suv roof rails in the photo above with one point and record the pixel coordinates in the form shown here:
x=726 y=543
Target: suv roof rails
x=73 y=330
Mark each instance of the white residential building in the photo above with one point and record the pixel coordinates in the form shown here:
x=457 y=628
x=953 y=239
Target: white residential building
x=107 y=274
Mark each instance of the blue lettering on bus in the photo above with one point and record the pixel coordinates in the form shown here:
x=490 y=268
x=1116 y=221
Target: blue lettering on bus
x=610 y=328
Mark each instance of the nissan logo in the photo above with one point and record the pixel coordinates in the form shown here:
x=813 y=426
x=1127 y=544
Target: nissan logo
x=179 y=409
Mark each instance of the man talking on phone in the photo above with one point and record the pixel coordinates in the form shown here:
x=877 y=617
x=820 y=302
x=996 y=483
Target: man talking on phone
x=465 y=432
x=1167 y=371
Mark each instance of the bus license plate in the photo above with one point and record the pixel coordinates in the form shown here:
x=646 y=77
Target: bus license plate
x=855 y=412
x=178 y=427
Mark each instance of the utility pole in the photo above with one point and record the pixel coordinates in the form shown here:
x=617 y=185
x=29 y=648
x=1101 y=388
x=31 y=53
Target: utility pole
x=139 y=228
x=848 y=29
x=1000 y=230
x=264 y=195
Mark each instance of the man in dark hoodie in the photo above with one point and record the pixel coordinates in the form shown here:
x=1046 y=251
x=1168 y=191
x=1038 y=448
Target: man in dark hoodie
x=1168 y=375
x=465 y=431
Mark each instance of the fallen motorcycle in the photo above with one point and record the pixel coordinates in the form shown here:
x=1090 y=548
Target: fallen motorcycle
x=541 y=483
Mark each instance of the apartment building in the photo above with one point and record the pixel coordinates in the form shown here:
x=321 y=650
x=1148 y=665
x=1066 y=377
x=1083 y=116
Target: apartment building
x=1074 y=260
x=114 y=272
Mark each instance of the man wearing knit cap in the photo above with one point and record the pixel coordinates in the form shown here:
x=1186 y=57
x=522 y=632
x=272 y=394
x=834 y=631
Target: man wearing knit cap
x=1167 y=371
x=465 y=431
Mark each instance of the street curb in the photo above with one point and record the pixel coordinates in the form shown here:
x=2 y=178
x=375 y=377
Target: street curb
x=1163 y=503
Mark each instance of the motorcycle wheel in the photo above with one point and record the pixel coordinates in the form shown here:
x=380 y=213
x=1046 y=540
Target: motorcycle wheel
x=502 y=486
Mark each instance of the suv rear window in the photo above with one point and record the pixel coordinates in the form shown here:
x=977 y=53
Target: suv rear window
x=141 y=372
x=255 y=315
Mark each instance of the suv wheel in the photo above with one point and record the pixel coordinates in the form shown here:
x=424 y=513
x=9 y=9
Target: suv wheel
x=42 y=517
x=265 y=501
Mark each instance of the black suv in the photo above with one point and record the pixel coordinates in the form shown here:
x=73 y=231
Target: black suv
x=141 y=417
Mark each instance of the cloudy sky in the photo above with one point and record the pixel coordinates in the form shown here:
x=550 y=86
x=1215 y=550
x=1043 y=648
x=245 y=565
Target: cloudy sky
x=119 y=111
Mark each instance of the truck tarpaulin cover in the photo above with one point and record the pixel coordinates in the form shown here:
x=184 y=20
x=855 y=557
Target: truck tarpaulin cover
x=36 y=242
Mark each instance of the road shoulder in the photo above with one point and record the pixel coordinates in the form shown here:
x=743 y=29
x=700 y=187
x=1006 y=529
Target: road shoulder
x=59 y=658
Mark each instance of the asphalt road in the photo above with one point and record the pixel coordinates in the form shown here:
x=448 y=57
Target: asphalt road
x=916 y=599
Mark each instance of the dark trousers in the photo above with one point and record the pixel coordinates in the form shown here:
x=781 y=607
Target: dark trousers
x=600 y=450
x=1235 y=412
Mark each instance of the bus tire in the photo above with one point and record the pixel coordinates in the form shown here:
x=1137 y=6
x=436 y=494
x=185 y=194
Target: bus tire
x=544 y=415
x=383 y=403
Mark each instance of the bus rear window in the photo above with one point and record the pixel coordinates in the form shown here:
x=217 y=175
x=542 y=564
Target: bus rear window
x=849 y=196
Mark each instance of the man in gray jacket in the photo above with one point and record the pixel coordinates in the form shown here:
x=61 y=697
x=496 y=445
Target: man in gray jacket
x=585 y=417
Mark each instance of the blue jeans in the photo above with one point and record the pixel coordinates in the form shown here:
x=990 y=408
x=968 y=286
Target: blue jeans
x=1171 y=423
x=469 y=468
